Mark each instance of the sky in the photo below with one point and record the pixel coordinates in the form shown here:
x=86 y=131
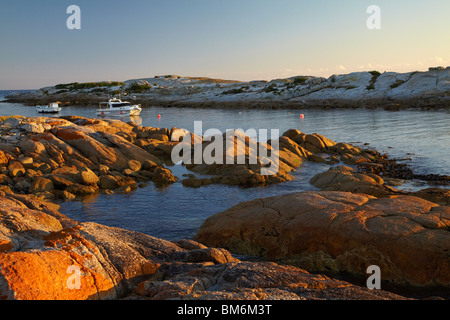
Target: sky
x=228 y=39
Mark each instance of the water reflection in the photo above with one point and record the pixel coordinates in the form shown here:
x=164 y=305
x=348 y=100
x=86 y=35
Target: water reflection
x=137 y=120
x=176 y=212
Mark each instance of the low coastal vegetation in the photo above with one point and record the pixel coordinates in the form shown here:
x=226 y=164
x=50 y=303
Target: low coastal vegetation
x=375 y=74
x=236 y=91
x=297 y=81
x=88 y=85
x=138 y=87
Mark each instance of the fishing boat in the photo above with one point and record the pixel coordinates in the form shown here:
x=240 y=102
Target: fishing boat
x=50 y=108
x=118 y=107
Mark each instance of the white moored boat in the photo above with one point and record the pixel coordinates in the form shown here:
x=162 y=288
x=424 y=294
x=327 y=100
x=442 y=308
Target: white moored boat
x=50 y=108
x=118 y=107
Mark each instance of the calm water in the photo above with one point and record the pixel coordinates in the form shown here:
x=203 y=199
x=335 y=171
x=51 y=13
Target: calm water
x=176 y=212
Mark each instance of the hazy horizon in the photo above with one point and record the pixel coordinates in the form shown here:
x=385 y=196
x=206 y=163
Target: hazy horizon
x=234 y=40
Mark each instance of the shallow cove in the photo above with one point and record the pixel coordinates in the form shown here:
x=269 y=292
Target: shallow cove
x=176 y=212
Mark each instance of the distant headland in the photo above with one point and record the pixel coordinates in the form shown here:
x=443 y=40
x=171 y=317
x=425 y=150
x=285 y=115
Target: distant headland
x=372 y=89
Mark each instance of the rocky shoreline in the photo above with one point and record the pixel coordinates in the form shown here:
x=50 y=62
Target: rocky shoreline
x=392 y=91
x=356 y=220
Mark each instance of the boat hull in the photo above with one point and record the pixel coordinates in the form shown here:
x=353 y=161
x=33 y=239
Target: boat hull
x=121 y=112
x=48 y=110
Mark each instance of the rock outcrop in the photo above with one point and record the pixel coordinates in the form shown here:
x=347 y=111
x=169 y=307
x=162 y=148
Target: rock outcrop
x=47 y=256
x=292 y=149
x=389 y=90
x=240 y=160
x=83 y=156
x=341 y=232
x=76 y=156
x=344 y=178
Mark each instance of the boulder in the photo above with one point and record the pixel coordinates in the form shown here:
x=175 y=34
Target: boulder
x=16 y=169
x=343 y=178
x=108 y=149
x=81 y=190
x=151 y=133
x=161 y=149
x=312 y=142
x=21 y=184
x=12 y=122
x=196 y=182
x=33 y=128
x=292 y=146
x=163 y=176
x=3 y=159
x=177 y=134
x=341 y=232
x=4 y=179
x=291 y=133
x=108 y=182
x=27 y=162
x=436 y=195
x=244 y=162
x=134 y=165
x=102 y=169
x=70 y=173
x=345 y=148
x=41 y=184
x=88 y=177
x=61 y=182
x=213 y=255
x=149 y=165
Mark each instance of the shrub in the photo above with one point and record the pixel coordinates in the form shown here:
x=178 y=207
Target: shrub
x=236 y=91
x=88 y=85
x=297 y=81
x=138 y=88
x=397 y=83
x=270 y=89
x=375 y=74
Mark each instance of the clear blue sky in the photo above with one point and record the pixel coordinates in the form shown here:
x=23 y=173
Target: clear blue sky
x=231 y=39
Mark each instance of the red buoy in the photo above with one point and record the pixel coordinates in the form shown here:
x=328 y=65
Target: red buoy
x=302 y=116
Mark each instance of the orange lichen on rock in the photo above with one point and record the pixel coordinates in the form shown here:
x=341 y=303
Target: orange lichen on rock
x=68 y=133
x=66 y=239
x=49 y=275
